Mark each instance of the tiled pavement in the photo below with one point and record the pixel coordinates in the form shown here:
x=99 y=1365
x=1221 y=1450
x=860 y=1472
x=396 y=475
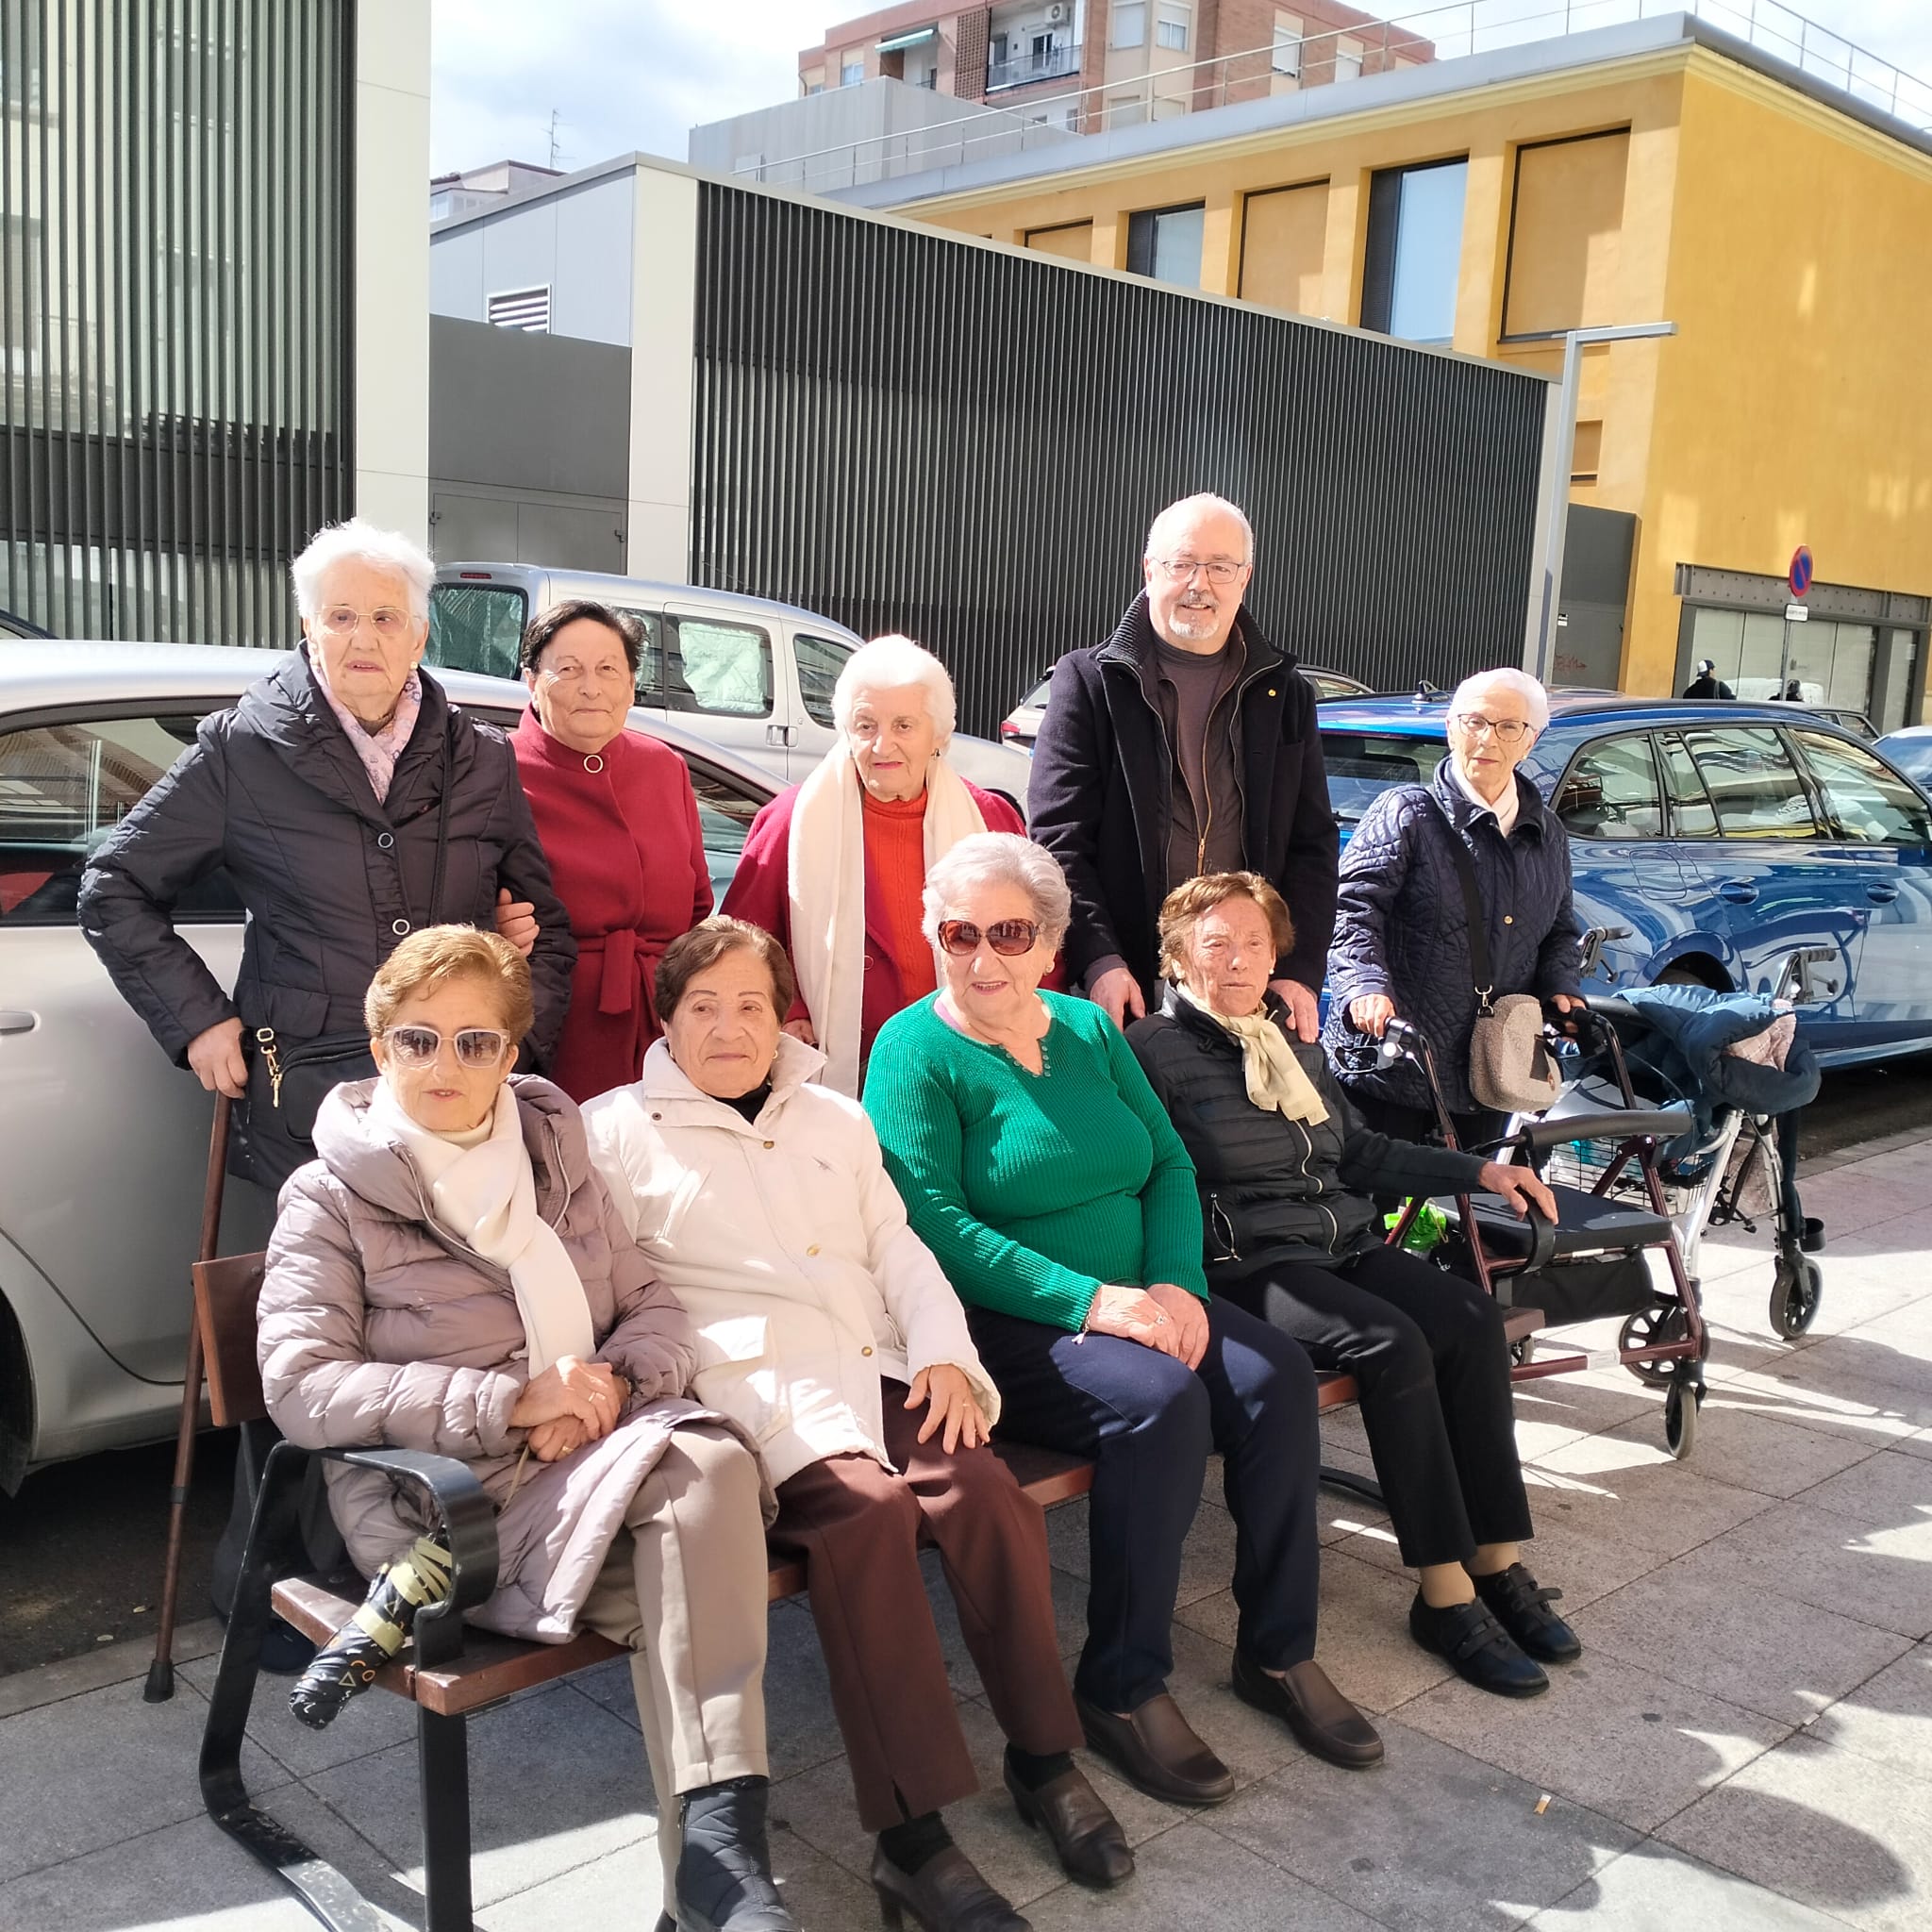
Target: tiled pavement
x=1747 y=1741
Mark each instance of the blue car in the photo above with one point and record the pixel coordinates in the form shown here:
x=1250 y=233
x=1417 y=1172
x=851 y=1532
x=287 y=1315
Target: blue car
x=1722 y=836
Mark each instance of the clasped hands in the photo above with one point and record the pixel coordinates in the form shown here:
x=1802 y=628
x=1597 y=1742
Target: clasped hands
x=572 y=1402
x=1159 y=1316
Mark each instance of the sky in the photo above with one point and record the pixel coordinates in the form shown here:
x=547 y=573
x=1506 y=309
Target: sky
x=621 y=74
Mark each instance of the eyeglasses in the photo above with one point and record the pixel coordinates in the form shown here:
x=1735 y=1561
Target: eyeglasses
x=418 y=1046
x=1504 y=730
x=1008 y=937
x=1181 y=568
x=342 y=621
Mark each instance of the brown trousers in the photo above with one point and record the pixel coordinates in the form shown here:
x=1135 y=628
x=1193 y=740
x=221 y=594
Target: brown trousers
x=859 y=1528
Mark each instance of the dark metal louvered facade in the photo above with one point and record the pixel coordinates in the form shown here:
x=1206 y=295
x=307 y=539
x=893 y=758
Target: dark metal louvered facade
x=911 y=432
x=175 y=304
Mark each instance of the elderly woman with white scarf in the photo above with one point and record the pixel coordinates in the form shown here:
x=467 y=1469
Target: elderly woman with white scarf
x=1287 y=1172
x=835 y=868
x=449 y=1275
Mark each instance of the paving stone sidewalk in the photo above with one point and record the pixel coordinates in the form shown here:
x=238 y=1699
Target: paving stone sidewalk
x=1747 y=1741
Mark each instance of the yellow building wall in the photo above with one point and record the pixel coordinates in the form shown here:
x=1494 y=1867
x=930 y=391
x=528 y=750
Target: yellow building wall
x=1795 y=404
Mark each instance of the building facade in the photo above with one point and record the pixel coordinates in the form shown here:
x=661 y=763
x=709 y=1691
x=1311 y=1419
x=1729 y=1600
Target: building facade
x=1662 y=171
x=213 y=305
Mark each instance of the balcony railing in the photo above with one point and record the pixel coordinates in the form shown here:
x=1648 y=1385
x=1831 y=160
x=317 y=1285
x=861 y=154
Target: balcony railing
x=1021 y=68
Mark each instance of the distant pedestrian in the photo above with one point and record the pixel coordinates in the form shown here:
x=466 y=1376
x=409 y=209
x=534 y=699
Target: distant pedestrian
x=1184 y=744
x=1707 y=684
x=1795 y=692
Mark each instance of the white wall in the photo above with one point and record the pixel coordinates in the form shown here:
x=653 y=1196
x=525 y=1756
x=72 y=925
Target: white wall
x=662 y=374
x=393 y=266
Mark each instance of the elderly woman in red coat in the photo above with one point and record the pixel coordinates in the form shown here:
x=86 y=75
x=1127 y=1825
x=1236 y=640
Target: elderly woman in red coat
x=619 y=824
x=836 y=867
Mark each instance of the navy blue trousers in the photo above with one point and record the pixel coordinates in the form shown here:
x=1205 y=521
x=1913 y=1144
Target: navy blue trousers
x=1150 y=1424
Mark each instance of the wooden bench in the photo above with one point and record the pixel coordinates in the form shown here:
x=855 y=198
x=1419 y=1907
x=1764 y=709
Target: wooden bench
x=448 y=1672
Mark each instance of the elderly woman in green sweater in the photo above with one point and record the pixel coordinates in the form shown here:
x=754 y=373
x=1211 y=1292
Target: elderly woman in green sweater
x=1036 y=1165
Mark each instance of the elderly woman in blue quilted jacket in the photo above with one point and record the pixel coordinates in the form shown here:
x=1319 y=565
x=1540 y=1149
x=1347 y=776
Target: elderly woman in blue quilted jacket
x=1401 y=932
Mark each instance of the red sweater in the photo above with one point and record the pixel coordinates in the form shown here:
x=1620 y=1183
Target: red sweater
x=629 y=862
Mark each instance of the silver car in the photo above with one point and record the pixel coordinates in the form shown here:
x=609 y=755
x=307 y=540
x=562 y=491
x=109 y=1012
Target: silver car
x=103 y=1143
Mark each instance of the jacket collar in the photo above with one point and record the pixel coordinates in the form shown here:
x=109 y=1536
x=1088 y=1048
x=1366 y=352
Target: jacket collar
x=670 y=1092
x=1201 y=1025
x=1132 y=645
x=1532 y=815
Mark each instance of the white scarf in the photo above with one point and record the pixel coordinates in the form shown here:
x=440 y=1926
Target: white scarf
x=485 y=1198
x=1275 y=1076
x=825 y=884
x=1504 y=808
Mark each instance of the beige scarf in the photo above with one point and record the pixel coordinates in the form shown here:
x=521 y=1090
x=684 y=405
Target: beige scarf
x=485 y=1198
x=1275 y=1076
x=825 y=884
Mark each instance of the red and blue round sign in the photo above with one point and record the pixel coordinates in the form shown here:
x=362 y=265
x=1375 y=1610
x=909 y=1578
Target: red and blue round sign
x=1800 y=578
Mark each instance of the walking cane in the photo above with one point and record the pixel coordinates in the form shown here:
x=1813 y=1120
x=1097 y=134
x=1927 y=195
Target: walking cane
x=160 y=1673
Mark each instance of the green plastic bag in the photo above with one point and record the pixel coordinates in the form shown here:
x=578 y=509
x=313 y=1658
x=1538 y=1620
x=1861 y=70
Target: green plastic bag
x=1429 y=1228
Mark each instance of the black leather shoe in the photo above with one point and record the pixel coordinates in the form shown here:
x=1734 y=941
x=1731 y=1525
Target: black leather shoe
x=725 y=1865
x=1157 y=1751
x=945 y=1894
x=1477 y=1647
x=1520 y=1604
x=1086 y=1837
x=1322 y=1719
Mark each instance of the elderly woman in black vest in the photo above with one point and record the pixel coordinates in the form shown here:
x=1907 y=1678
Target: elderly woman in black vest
x=1286 y=1172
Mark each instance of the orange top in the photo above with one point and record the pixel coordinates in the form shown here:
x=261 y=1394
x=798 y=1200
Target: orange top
x=896 y=845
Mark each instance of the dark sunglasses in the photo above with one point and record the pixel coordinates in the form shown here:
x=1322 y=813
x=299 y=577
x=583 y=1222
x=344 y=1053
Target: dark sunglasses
x=1008 y=937
x=475 y=1046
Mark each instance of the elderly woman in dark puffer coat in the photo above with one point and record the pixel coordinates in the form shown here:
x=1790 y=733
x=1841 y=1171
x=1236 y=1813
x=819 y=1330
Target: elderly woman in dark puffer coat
x=1286 y=1172
x=1401 y=932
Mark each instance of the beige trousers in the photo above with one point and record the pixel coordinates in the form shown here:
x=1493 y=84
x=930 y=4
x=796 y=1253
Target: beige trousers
x=684 y=1590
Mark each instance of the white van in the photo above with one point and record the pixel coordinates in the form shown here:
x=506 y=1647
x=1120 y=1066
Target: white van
x=755 y=676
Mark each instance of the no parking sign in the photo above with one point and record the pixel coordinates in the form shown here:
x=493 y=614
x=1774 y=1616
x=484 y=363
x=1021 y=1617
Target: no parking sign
x=1799 y=577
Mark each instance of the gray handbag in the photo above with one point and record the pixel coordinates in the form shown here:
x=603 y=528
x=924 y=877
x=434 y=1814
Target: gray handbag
x=1511 y=1066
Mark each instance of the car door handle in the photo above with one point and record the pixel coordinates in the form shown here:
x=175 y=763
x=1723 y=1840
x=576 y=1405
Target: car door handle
x=1739 y=891
x=1881 y=895
x=780 y=734
x=19 y=1022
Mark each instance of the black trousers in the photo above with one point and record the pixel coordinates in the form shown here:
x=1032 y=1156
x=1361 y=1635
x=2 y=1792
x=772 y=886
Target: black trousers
x=1427 y=1350
x=1404 y=1123
x=1149 y=1423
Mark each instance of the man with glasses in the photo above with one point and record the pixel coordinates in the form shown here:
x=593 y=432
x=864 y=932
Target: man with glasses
x=1185 y=745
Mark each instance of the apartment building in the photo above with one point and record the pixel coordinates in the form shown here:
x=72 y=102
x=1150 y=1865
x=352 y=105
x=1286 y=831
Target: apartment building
x=1772 y=202
x=1087 y=65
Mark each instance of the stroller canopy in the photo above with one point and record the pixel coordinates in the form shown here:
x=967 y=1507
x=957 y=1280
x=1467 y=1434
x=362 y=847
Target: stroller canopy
x=1689 y=1029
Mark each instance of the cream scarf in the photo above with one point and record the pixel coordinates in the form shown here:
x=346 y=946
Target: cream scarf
x=825 y=884
x=1275 y=1076
x=485 y=1196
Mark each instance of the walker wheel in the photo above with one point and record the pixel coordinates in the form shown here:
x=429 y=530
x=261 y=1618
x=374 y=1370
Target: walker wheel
x=1680 y=1417
x=1652 y=1328
x=1523 y=1350
x=1795 y=1292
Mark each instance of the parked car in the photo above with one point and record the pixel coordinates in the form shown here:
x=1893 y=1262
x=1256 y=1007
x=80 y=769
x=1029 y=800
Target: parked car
x=1722 y=837
x=740 y=671
x=103 y=1143
x=13 y=626
x=1911 y=751
x=1021 y=725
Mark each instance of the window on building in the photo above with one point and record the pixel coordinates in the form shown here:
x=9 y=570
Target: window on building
x=1348 y=60
x=1414 y=251
x=1171 y=28
x=1284 y=242
x=1287 y=57
x=524 y=309
x=1165 y=244
x=850 y=74
x=1130 y=26
x=1566 y=225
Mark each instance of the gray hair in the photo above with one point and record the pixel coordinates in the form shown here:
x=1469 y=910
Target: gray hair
x=891 y=663
x=998 y=858
x=360 y=543
x=1205 y=503
x=1536 y=700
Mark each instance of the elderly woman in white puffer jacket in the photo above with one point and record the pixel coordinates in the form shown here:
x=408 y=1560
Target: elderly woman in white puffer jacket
x=825 y=1327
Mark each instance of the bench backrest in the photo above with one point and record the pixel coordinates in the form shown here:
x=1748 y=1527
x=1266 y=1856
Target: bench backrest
x=226 y=1293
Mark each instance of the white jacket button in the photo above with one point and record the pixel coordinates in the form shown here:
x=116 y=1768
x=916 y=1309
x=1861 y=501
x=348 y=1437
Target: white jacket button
x=813 y=1249
x=771 y=1144
x=866 y=1350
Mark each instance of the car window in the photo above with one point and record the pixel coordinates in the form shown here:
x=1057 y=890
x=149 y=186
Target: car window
x=1611 y=792
x=1037 y=697
x=1752 y=782
x=1363 y=763
x=820 y=661
x=725 y=669
x=1693 y=815
x=1869 y=801
x=63 y=788
x=477 y=627
x=651 y=657
x=726 y=806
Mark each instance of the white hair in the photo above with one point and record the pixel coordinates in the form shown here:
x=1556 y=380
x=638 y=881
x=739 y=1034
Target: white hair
x=1536 y=700
x=360 y=543
x=1187 y=509
x=998 y=858
x=892 y=663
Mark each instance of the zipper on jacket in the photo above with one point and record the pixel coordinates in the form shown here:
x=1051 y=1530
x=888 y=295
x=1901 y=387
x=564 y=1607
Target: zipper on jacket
x=1308 y=1151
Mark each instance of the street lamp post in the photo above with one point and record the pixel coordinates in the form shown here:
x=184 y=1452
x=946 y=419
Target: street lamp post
x=1556 y=505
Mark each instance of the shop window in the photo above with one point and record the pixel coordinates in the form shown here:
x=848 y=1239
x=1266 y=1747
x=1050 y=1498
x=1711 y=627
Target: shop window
x=1566 y=226
x=1414 y=251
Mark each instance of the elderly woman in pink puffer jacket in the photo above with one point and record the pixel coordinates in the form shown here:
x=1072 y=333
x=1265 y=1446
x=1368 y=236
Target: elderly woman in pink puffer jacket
x=449 y=1275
